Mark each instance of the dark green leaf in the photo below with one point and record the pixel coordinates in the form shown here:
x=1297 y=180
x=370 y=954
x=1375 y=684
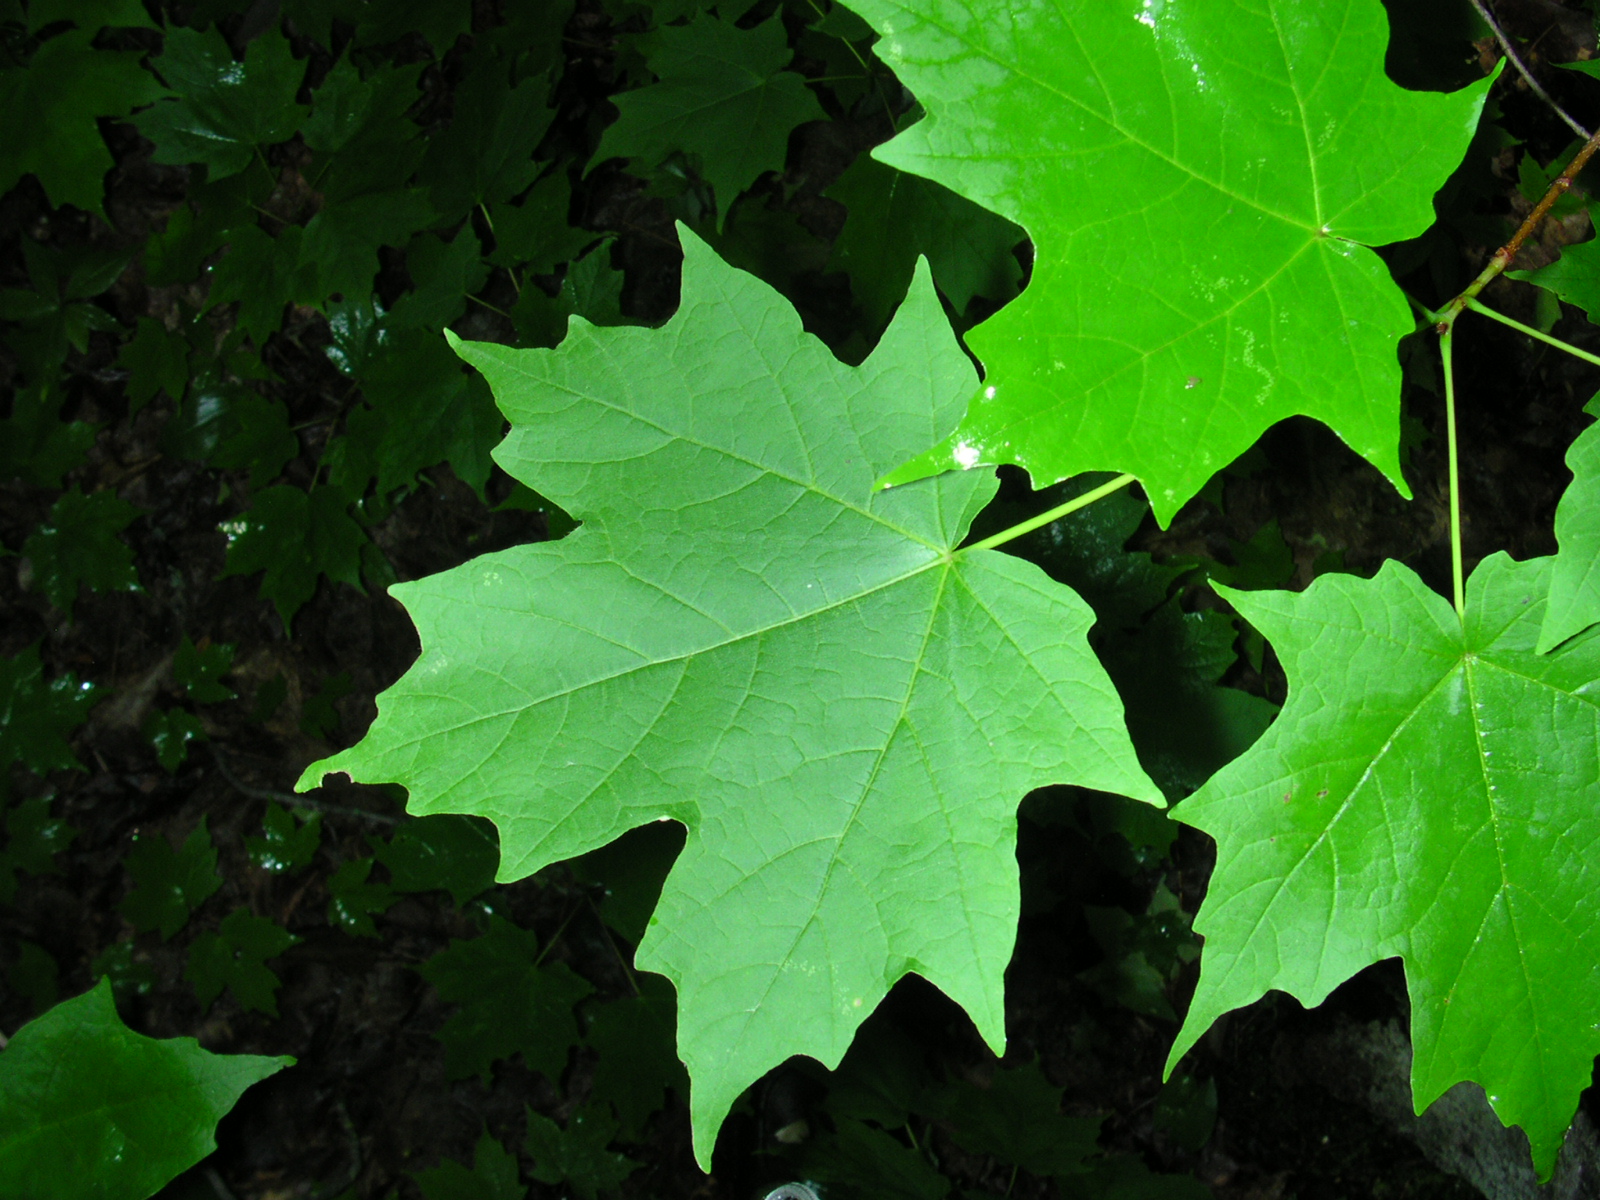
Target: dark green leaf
x=33 y=839
x=353 y=899
x=62 y=90
x=262 y=274
x=223 y=110
x=342 y=240
x=349 y=111
x=90 y=1108
x=156 y=361
x=358 y=335
x=486 y=155
x=632 y=870
x=235 y=958
x=446 y=852
x=36 y=446
x=170 y=732
x=577 y=1155
x=78 y=544
x=1186 y=1110
x=723 y=98
x=36 y=717
x=492 y=1176
x=89 y=15
x=1018 y=1120
x=286 y=844
x=443 y=275
x=422 y=408
x=440 y=22
x=636 y=1038
x=319 y=716
x=169 y=884
x=535 y=233
x=129 y=976
x=231 y=426
x=294 y=537
x=867 y=1163
x=509 y=1003
x=269 y=698
x=197 y=229
x=893 y=217
x=1265 y=561
x=34 y=975
x=199 y=670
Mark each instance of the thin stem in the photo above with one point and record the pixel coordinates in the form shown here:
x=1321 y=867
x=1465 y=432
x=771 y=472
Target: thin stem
x=1486 y=311
x=1527 y=75
x=490 y=307
x=1503 y=256
x=290 y=801
x=1055 y=514
x=1456 y=581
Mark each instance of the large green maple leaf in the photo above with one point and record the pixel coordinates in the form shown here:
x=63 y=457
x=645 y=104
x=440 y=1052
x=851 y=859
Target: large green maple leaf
x=744 y=636
x=1202 y=183
x=1429 y=791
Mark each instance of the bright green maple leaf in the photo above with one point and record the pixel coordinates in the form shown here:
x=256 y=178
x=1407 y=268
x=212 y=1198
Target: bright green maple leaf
x=1201 y=183
x=90 y=1108
x=723 y=97
x=745 y=637
x=1429 y=792
x=1574 y=602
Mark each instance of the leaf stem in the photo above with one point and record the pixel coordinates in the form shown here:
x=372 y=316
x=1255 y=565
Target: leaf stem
x=1503 y=256
x=1054 y=514
x=1486 y=311
x=1456 y=581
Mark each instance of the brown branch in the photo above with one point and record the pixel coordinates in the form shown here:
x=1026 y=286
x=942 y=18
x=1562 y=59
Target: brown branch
x=1527 y=76
x=1503 y=257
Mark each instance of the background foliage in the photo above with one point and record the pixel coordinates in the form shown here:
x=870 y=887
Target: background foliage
x=231 y=237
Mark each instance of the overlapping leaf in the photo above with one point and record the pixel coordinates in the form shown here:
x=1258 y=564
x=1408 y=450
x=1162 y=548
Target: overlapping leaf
x=723 y=97
x=223 y=109
x=1431 y=791
x=90 y=1108
x=55 y=101
x=745 y=637
x=1201 y=183
x=1574 y=602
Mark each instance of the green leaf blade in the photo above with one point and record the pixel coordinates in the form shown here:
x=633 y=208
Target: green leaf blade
x=1265 y=144
x=1427 y=794
x=746 y=637
x=1574 y=602
x=87 y=1106
x=724 y=97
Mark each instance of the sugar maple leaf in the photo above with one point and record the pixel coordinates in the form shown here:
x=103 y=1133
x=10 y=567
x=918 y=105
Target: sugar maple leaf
x=1202 y=183
x=723 y=97
x=744 y=636
x=1429 y=792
